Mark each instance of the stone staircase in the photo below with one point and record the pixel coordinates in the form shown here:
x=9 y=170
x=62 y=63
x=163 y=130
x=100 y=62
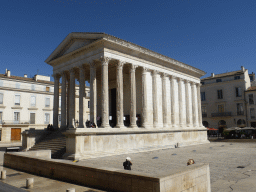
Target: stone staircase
x=54 y=141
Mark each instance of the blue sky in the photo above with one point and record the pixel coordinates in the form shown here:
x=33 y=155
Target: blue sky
x=215 y=36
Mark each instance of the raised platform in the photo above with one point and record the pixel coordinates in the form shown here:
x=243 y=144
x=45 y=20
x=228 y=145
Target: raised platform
x=83 y=143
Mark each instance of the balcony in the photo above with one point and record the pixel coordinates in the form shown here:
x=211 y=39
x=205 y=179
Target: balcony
x=240 y=113
x=223 y=114
x=14 y=122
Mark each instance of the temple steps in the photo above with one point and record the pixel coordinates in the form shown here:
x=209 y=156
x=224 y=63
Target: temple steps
x=55 y=141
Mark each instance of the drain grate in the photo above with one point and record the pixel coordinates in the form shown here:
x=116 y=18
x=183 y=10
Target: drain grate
x=155 y=158
x=241 y=167
x=194 y=150
x=174 y=154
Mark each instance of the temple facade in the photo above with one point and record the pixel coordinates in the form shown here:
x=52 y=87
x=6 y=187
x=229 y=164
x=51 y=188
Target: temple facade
x=138 y=98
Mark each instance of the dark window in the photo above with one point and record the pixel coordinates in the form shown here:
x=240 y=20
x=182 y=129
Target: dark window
x=238 y=92
x=251 y=99
x=237 y=77
x=218 y=80
x=202 y=83
x=251 y=78
x=220 y=96
x=88 y=104
x=240 y=109
x=202 y=96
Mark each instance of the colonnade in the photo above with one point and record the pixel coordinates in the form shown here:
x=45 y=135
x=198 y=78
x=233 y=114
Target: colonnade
x=185 y=102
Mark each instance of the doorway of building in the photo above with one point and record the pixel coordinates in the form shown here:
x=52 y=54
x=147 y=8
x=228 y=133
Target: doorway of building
x=112 y=114
x=15 y=134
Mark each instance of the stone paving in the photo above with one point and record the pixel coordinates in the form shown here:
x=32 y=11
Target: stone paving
x=223 y=157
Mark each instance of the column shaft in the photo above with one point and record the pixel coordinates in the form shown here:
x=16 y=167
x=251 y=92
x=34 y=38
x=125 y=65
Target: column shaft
x=104 y=89
x=175 y=100
x=133 y=97
x=155 y=100
x=72 y=99
x=56 y=101
x=194 y=105
x=63 y=101
x=188 y=104
x=93 y=93
x=199 y=105
x=144 y=99
x=164 y=101
x=181 y=112
x=119 y=95
x=81 y=96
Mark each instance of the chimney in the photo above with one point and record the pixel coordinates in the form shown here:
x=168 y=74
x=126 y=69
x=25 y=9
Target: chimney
x=212 y=75
x=242 y=68
x=25 y=75
x=8 y=73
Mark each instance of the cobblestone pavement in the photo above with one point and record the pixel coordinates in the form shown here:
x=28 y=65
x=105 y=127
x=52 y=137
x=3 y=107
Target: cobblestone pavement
x=223 y=158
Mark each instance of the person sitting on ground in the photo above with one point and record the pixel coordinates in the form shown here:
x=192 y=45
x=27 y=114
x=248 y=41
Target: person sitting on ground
x=127 y=164
x=190 y=162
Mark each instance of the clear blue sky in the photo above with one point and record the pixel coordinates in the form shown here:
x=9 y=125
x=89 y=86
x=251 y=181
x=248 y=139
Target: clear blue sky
x=214 y=36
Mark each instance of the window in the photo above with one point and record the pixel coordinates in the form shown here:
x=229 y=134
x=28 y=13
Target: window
x=1 y=83
x=1 y=118
x=16 y=117
x=218 y=80
x=221 y=108
x=88 y=104
x=1 y=98
x=202 y=83
x=237 y=77
x=238 y=92
x=59 y=119
x=47 y=89
x=240 y=109
x=252 y=113
x=88 y=94
x=33 y=101
x=17 y=99
x=202 y=96
x=59 y=102
x=220 y=96
x=33 y=87
x=47 y=118
x=251 y=101
x=47 y=102
x=17 y=85
x=32 y=118
x=251 y=79
x=204 y=112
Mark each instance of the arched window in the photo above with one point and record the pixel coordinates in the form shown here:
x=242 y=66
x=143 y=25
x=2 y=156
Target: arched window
x=241 y=123
x=222 y=123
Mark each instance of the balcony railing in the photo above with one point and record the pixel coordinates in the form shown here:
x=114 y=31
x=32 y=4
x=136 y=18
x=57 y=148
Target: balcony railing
x=224 y=114
x=14 y=122
x=240 y=113
x=204 y=114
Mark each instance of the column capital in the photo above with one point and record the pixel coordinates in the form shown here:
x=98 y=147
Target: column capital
x=120 y=63
x=133 y=67
x=173 y=77
x=105 y=60
x=155 y=72
x=56 y=76
x=192 y=83
x=145 y=69
x=164 y=75
x=198 y=84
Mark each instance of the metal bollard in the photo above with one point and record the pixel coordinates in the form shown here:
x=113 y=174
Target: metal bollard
x=71 y=190
x=29 y=183
x=3 y=174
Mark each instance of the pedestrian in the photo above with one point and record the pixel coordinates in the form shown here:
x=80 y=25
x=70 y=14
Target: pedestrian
x=127 y=164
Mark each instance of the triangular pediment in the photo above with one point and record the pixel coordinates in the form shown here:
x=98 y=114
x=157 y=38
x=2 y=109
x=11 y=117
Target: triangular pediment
x=76 y=44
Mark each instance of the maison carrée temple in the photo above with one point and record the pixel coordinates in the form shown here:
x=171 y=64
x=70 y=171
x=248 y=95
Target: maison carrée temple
x=139 y=99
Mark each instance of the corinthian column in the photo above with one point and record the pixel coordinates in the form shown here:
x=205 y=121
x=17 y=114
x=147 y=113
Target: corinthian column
x=56 y=100
x=81 y=96
x=72 y=99
x=188 y=104
x=155 y=100
x=175 y=102
x=133 y=97
x=144 y=99
x=164 y=101
x=194 y=105
x=63 y=100
x=119 y=95
x=93 y=94
x=181 y=101
x=199 y=105
x=104 y=89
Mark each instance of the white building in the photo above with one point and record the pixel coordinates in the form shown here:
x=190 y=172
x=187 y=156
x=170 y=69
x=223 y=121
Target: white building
x=223 y=99
x=25 y=103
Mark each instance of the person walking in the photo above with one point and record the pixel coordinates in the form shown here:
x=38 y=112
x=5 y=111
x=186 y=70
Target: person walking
x=127 y=164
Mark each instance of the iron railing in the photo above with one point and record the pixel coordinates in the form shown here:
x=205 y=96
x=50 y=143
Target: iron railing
x=223 y=114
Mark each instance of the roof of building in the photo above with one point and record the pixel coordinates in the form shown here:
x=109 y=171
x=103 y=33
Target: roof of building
x=26 y=79
x=232 y=73
x=251 y=88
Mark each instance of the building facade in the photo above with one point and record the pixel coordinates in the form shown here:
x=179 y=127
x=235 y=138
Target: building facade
x=250 y=96
x=132 y=90
x=25 y=103
x=223 y=99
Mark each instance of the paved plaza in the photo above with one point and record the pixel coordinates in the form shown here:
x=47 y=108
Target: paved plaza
x=224 y=159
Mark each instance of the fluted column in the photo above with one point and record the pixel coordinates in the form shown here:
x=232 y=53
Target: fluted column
x=189 y=119
x=194 y=105
x=63 y=100
x=93 y=94
x=133 y=97
x=164 y=101
x=181 y=101
x=155 y=100
x=81 y=96
x=144 y=99
x=119 y=95
x=104 y=89
x=56 y=100
x=199 y=105
x=68 y=98
x=72 y=99
x=174 y=100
